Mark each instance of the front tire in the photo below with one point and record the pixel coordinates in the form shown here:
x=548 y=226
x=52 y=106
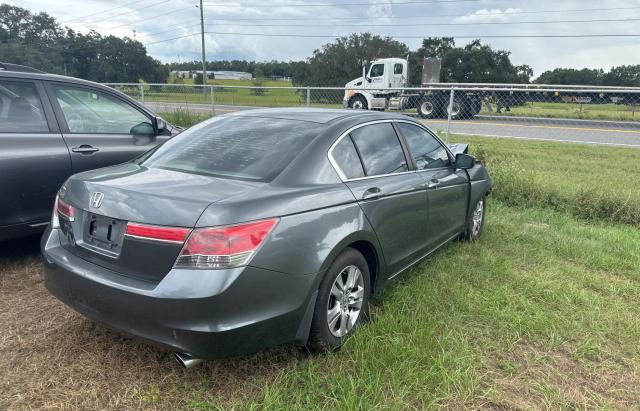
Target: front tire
x=358 y=103
x=342 y=303
x=475 y=225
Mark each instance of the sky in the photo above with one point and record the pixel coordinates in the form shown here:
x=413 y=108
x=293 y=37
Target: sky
x=259 y=29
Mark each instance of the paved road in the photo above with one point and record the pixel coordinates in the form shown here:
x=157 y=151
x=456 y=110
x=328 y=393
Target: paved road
x=623 y=134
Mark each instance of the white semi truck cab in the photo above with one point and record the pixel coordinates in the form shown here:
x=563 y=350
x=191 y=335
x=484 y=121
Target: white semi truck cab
x=382 y=87
x=385 y=79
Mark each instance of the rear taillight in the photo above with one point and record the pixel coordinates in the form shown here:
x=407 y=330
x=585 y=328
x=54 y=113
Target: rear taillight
x=60 y=208
x=224 y=247
x=55 y=221
x=65 y=210
x=175 y=235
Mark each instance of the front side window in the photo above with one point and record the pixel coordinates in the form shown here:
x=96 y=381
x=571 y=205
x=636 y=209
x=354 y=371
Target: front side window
x=21 y=108
x=397 y=68
x=346 y=157
x=241 y=147
x=425 y=149
x=377 y=70
x=93 y=112
x=379 y=149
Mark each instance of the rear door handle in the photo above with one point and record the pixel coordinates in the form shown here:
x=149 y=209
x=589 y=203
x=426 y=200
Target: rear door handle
x=433 y=183
x=372 y=193
x=85 y=149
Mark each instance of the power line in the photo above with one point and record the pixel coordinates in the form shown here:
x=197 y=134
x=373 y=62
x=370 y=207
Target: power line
x=405 y=25
x=487 y=14
x=498 y=36
x=340 y=4
x=125 y=13
x=102 y=11
x=225 y=21
x=152 y=17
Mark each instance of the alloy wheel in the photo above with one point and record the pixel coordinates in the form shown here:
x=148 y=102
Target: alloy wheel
x=476 y=219
x=345 y=301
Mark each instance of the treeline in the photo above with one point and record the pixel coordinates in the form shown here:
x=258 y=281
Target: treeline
x=39 y=41
x=621 y=76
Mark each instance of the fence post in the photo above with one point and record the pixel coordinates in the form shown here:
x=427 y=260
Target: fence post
x=308 y=96
x=213 y=102
x=449 y=115
x=141 y=93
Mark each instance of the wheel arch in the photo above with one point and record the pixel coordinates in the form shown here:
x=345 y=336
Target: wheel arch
x=361 y=94
x=366 y=244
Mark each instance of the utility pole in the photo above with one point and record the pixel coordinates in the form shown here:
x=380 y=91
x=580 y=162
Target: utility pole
x=204 y=62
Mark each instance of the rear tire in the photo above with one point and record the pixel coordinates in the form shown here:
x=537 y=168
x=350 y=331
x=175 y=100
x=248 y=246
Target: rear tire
x=342 y=303
x=459 y=109
x=358 y=103
x=429 y=107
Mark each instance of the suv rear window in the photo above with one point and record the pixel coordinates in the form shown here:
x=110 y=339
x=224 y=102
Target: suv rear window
x=243 y=147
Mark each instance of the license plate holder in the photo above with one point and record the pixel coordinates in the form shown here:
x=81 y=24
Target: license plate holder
x=104 y=233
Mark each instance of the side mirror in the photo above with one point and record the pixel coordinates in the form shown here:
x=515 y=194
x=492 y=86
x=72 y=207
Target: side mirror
x=142 y=129
x=161 y=125
x=465 y=161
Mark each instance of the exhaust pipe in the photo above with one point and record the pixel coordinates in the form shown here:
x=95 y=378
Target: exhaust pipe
x=187 y=361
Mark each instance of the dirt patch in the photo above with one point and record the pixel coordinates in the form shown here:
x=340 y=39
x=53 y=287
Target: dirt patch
x=53 y=358
x=531 y=377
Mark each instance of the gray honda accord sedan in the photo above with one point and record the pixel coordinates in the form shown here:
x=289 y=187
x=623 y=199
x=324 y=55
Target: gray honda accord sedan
x=259 y=228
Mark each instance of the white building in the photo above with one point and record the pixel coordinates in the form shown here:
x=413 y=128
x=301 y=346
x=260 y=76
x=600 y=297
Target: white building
x=218 y=75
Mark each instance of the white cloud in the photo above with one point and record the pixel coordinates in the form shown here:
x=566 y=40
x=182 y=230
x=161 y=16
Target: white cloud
x=488 y=16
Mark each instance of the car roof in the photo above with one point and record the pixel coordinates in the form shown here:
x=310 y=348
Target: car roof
x=33 y=75
x=317 y=115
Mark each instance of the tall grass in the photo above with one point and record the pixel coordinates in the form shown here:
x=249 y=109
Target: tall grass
x=183 y=118
x=593 y=183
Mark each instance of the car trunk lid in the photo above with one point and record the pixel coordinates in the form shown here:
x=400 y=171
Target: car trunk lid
x=150 y=197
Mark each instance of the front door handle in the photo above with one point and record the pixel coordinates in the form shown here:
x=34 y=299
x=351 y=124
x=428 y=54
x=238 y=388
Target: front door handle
x=372 y=193
x=85 y=149
x=433 y=183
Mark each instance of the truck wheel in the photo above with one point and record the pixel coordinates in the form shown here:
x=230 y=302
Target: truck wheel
x=476 y=106
x=358 y=103
x=459 y=109
x=429 y=107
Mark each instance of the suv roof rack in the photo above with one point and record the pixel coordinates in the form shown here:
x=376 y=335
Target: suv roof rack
x=19 y=68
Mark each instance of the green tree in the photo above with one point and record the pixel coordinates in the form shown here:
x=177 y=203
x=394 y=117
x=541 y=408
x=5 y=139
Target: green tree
x=341 y=61
x=623 y=76
x=569 y=76
x=38 y=40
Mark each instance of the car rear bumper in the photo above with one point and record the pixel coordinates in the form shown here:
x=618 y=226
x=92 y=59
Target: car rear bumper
x=205 y=313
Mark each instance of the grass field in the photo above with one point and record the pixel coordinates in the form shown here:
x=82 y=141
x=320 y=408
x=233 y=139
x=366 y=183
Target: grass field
x=614 y=112
x=541 y=313
x=599 y=184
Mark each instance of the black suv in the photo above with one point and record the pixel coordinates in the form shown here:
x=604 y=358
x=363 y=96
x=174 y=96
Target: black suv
x=53 y=126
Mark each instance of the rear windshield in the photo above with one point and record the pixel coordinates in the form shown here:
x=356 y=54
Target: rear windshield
x=247 y=148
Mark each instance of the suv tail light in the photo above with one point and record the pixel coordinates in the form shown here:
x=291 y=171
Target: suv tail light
x=61 y=208
x=223 y=247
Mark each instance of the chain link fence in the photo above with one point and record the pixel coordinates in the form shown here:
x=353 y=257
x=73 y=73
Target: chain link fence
x=599 y=115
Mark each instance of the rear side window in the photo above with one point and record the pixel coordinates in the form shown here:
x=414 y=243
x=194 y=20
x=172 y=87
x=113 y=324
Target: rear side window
x=426 y=150
x=379 y=149
x=241 y=147
x=346 y=157
x=21 y=108
x=397 y=68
